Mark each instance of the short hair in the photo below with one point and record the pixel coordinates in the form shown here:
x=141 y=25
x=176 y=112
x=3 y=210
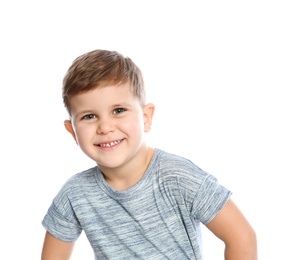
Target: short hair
x=101 y=68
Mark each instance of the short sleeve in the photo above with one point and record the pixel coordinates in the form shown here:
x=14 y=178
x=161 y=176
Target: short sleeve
x=60 y=220
x=210 y=199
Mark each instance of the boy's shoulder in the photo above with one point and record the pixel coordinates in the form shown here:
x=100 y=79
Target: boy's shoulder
x=172 y=159
x=179 y=175
x=172 y=164
x=84 y=178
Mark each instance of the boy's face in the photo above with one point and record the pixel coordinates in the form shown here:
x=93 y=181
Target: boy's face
x=108 y=124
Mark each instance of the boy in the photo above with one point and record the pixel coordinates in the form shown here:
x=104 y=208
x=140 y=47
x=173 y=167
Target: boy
x=138 y=202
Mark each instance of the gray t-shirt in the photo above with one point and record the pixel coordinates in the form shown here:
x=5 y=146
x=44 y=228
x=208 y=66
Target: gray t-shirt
x=158 y=218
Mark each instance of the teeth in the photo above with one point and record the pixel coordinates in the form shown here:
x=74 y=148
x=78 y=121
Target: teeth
x=110 y=144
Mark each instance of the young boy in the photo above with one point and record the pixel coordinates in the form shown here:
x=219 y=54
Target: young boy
x=138 y=202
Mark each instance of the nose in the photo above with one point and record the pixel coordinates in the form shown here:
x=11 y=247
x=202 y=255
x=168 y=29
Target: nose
x=105 y=126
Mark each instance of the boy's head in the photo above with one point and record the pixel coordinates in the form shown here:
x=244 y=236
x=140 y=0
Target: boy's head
x=101 y=68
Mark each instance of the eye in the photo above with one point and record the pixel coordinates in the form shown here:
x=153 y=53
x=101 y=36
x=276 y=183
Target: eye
x=89 y=116
x=118 y=110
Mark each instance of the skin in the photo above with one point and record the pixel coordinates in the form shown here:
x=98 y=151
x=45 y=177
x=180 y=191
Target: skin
x=108 y=124
x=234 y=230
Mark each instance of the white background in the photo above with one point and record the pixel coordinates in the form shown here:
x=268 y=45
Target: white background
x=219 y=72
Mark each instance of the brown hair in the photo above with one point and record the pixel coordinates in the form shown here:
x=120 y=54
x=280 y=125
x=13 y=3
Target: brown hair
x=100 y=68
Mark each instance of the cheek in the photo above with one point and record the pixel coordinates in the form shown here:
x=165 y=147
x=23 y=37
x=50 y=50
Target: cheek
x=134 y=124
x=83 y=133
x=138 y=122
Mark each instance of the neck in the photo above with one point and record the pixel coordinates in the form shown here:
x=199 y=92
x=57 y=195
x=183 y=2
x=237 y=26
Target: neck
x=127 y=176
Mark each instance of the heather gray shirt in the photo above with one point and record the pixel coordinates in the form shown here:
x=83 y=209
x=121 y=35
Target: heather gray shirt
x=158 y=218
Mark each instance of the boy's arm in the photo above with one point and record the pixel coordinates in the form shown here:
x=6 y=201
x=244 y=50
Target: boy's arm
x=55 y=249
x=233 y=229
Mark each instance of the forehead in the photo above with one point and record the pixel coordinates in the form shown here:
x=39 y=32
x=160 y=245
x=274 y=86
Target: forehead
x=103 y=96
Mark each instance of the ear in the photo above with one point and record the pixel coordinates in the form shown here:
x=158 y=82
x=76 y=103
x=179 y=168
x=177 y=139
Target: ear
x=69 y=128
x=148 y=113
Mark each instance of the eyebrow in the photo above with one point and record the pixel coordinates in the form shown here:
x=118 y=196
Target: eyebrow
x=92 y=111
x=121 y=105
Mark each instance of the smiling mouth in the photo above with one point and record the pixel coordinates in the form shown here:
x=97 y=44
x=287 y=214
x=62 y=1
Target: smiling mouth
x=110 y=144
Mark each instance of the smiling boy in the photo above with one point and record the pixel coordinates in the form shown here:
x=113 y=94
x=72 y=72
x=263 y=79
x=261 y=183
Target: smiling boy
x=139 y=202
x=108 y=124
